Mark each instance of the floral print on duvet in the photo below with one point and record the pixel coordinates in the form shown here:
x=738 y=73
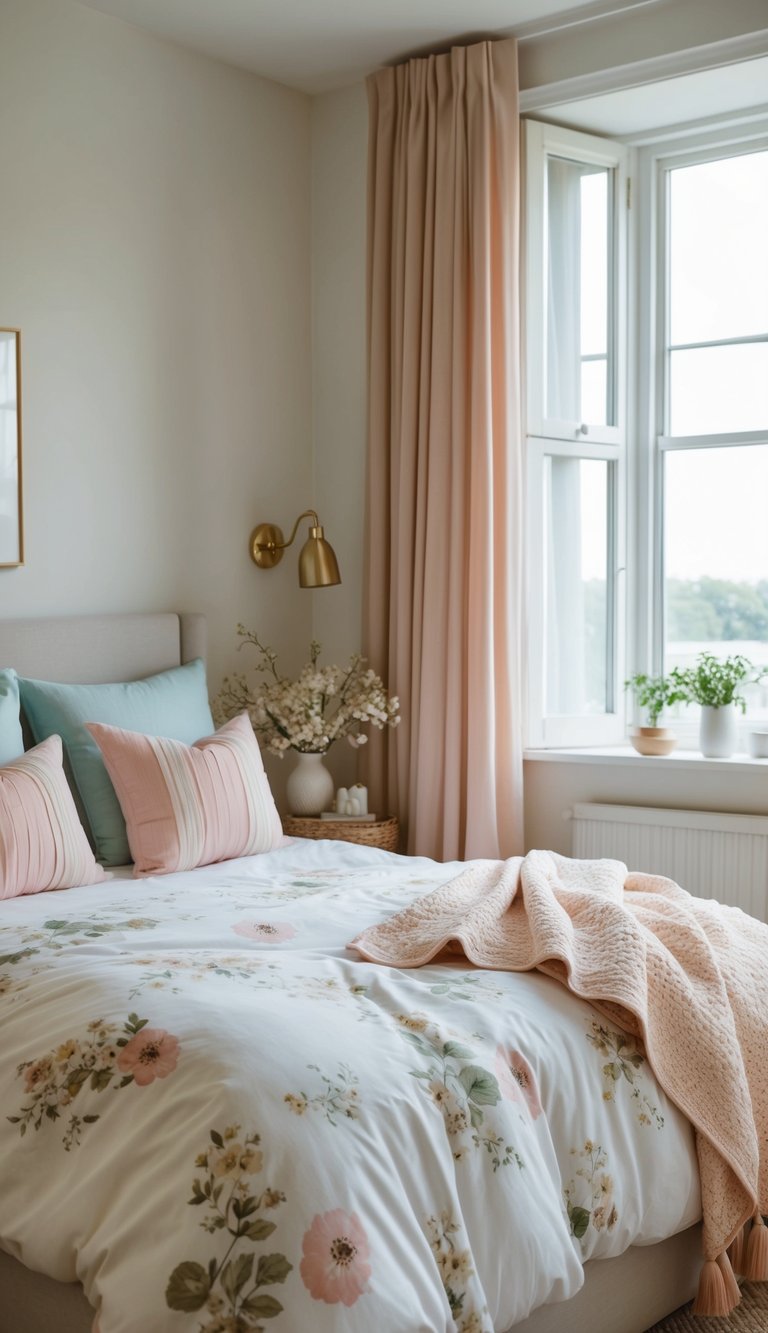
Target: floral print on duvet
x=201 y=1085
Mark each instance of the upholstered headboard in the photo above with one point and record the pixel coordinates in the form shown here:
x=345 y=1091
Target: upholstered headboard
x=99 y=649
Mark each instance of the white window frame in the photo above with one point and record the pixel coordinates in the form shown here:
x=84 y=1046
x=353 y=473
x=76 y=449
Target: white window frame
x=651 y=441
x=549 y=437
x=561 y=729
x=551 y=140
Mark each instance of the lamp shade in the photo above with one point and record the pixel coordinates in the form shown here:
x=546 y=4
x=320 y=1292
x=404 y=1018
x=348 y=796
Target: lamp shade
x=318 y=566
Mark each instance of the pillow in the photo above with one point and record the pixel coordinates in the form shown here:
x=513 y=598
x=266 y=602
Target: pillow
x=187 y=806
x=42 y=842
x=11 y=739
x=172 y=703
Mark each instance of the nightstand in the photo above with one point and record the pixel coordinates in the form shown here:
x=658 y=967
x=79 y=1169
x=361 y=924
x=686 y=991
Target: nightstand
x=383 y=833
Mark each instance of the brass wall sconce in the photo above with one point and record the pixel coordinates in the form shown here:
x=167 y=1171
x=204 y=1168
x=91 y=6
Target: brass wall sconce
x=318 y=567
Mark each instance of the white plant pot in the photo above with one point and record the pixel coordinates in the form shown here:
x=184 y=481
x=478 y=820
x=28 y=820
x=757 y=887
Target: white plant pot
x=718 y=734
x=309 y=789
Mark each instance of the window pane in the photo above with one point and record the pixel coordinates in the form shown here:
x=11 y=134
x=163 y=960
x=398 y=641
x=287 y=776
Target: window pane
x=579 y=269
x=594 y=385
x=594 y=262
x=718 y=254
x=577 y=492
x=717 y=389
x=716 y=558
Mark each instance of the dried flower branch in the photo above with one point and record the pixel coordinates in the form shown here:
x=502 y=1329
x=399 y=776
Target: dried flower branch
x=308 y=714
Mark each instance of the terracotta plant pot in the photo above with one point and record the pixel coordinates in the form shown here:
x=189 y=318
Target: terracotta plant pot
x=653 y=740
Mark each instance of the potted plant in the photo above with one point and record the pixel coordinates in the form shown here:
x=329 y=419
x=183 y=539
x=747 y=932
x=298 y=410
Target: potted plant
x=653 y=694
x=716 y=684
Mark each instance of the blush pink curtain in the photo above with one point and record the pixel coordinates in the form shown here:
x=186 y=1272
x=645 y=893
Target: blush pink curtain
x=443 y=607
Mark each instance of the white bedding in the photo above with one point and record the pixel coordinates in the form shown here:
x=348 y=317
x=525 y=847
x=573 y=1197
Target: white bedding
x=214 y=1116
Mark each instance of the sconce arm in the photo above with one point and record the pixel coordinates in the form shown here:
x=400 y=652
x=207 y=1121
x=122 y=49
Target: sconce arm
x=308 y=513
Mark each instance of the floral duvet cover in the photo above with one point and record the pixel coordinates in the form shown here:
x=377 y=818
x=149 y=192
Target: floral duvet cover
x=220 y=1120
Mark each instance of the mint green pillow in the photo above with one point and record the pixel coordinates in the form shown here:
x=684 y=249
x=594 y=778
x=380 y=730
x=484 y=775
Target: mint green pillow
x=11 y=739
x=174 y=703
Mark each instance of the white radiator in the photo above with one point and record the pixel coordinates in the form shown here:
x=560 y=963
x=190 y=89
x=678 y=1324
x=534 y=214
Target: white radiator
x=710 y=855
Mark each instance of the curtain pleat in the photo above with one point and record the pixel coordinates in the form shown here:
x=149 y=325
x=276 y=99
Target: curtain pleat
x=443 y=607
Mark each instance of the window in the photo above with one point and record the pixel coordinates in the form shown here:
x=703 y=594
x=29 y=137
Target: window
x=713 y=436
x=689 y=478
x=576 y=225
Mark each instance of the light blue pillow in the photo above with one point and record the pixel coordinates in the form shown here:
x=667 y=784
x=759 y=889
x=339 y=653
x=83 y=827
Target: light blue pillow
x=11 y=739
x=174 y=703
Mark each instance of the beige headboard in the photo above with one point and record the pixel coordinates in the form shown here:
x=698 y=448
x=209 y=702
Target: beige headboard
x=99 y=649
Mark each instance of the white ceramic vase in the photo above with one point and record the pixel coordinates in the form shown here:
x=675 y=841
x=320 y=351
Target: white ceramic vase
x=718 y=731
x=309 y=789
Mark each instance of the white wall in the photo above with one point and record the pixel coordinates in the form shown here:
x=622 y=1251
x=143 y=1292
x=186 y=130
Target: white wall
x=339 y=151
x=155 y=251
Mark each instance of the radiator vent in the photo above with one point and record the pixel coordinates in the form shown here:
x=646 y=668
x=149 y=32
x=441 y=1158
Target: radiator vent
x=711 y=855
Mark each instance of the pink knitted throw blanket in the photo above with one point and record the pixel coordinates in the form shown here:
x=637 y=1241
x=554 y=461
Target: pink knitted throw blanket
x=687 y=976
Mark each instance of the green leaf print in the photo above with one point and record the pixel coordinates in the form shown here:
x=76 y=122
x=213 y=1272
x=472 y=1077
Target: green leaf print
x=260 y=1229
x=188 y=1288
x=263 y=1307
x=480 y=1086
x=627 y=1066
x=588 y=1194
x=454 y=1050
x=460 y=1091
x=272 y=1268
x=17 y=957
x=229 y=1287
x=579 y=1220
x=419 y=1043
x=235 y=1274
x=96 y=1058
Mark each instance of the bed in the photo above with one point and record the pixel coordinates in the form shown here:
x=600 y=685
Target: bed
x=449 y=1136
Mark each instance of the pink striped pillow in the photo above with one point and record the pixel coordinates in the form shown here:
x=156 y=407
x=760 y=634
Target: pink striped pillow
x=42 y=842
x=189 y=805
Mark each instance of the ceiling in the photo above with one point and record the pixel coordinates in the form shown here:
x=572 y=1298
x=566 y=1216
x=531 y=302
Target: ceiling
x=316 y=45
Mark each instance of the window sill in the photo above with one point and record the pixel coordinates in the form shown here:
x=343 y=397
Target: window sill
x=623 y=755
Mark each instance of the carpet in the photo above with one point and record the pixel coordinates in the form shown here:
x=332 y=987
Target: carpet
x=751 y=1316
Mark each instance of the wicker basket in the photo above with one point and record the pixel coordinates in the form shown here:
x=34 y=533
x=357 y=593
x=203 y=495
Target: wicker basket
x=383 y=833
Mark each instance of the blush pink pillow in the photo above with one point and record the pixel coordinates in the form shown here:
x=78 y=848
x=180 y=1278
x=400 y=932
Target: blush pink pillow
x=189 y=805
x=42 y=842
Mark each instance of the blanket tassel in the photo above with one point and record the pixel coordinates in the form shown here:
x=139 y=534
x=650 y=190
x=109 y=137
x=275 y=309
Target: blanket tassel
x=737 y=1250
x=756 y=1263
x=732 y=1289
x=715 y=1295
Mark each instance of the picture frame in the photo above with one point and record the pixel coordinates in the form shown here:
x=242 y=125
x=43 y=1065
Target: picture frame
x=11 y=507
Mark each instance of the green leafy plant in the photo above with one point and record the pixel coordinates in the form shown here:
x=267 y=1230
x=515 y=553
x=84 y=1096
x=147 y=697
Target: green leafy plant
x=715 y=683
x=655 y=693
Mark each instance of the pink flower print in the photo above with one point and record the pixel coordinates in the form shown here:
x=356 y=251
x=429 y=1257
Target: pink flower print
x=151 y=1054
x=515 y=1076
x=335 y=1264
x=268 y=932
x=38 y=1073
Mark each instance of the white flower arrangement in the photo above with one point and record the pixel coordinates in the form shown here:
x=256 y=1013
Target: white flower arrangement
x=308 y=714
